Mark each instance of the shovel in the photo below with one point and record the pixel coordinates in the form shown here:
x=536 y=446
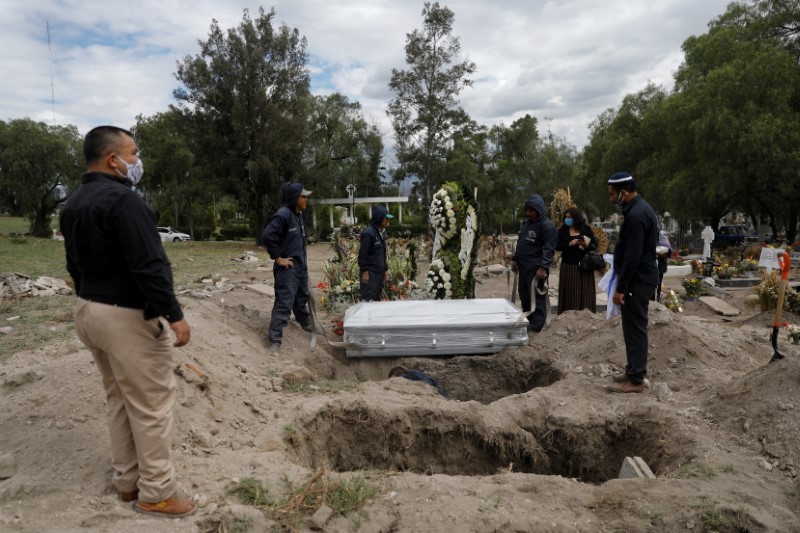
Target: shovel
x=785 y=264
x=312 y=311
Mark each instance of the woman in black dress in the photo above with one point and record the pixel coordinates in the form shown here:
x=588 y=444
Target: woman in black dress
x=576 y=288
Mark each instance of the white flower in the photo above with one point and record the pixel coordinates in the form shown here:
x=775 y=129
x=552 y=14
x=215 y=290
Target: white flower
x=446 y=276
x=439 y=286
x=448 y=285
x=451 y=213
x=448 y=205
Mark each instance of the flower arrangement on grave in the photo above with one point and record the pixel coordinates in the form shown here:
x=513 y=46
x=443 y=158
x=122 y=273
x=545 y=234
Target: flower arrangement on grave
x=454 y=219
x=673 y=302
x=726 y=271
x=747 y=265
x=693 y=287
x=438 y=281
x=794 y=334
x=342 y=286
x=768 y=290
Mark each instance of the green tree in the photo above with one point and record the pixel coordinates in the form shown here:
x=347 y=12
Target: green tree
x=425 y=112
x=341 y=148
x=165 y=143
x=735 y=115
x=245 y=96
x=39 y=165
x=631 y=139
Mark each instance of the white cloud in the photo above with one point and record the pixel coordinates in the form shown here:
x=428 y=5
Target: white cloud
x=567 y=60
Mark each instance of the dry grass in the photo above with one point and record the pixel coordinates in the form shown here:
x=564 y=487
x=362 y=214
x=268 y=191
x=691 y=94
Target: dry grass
x=43 y=320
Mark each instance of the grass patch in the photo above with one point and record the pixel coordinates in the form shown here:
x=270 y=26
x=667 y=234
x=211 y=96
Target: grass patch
x=10 y=225
x=713 y=519
x=343 y=495
x=702 y=470
x=325 y=387
x=42 y=320
x=192 y=260
x=34 y=257
x=47 y=319
x=251 y=492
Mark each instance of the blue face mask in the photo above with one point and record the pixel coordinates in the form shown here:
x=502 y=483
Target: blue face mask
x=568 y=221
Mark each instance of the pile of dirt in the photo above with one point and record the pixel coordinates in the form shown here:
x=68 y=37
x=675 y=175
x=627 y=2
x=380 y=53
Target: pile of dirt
x=526 y=440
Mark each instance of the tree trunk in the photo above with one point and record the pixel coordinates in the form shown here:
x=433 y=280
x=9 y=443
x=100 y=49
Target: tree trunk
x=40 y=222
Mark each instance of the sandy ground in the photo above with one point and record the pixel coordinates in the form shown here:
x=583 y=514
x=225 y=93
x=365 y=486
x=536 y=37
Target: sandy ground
x=528 y=440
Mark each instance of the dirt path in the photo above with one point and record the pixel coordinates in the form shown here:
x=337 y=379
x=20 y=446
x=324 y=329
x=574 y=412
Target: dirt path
x=527 y=440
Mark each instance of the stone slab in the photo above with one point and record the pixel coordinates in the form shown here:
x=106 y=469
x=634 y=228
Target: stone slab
x=678 y=271
x=635 y=468
x=736 y=283
x=720 y=307
x=262 y=289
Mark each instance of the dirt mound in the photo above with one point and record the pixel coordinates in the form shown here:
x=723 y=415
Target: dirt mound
x=527 y=439
x=762 y=407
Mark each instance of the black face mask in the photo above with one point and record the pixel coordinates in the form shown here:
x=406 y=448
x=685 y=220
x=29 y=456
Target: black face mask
x=619 y=202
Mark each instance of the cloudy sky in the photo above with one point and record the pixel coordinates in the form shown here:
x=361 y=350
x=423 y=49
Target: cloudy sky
x=567 y=60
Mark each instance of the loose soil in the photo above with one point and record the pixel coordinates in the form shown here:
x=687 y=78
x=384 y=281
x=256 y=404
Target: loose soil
x=525 y=440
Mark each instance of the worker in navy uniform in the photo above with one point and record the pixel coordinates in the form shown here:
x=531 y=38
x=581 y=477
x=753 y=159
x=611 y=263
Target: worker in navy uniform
x=536 y=247
x=372 y=265
x=284 y=237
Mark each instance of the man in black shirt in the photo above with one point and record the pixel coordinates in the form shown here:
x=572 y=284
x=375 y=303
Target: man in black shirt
x=636 y=277
x=126 y=307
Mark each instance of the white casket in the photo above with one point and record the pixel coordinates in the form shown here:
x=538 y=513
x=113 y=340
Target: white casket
x=433 y=327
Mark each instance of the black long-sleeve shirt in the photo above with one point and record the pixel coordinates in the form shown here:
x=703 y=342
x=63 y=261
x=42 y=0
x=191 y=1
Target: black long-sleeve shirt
x=635 y=253
x=114 y=253
x=571 y=255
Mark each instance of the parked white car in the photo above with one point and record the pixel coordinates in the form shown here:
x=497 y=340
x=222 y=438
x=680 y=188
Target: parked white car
x=170 y=235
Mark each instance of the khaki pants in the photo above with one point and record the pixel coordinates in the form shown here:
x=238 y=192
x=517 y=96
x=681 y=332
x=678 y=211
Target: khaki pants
x=135 y=359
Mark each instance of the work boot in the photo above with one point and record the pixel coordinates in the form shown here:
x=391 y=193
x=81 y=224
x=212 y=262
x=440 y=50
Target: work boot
x=172 y=507
x=308 y=327
x=129 y=496
x=623 y=378
x=627 y=387
x=274 y=347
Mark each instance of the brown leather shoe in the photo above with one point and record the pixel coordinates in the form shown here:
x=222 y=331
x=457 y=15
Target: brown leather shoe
x=129 y=496
x=626 y=387
x=172 y=507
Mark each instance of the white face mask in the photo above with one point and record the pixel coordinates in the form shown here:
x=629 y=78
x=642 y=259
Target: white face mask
x=134 y=172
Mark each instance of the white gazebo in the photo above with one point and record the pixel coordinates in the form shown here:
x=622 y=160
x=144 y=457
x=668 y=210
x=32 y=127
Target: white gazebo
x=350 y=202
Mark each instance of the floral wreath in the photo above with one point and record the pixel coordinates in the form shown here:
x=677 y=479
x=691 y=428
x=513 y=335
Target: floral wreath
x=468 y=234
x=438 y=280
x=441 y=214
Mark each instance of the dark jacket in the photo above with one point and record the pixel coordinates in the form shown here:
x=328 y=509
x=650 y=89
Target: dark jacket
x=635 y=253
x=372 y=251
x=537 y=240
x=285 y=235
x=571 y=255
x=114 y=253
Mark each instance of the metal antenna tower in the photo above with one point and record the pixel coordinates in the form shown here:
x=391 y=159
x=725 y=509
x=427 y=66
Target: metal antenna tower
x=52 y=86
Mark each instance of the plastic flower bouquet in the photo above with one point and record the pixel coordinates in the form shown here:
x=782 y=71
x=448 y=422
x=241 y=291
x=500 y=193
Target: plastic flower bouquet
x=693 y=287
